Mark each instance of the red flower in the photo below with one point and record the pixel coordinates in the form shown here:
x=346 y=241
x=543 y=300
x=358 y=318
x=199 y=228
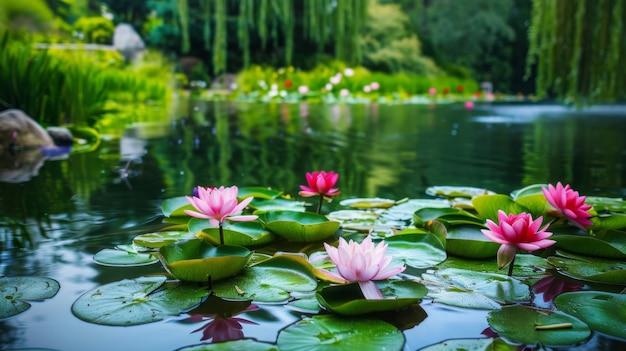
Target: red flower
x=288 y=84
x=459 y=89
x=445 y=91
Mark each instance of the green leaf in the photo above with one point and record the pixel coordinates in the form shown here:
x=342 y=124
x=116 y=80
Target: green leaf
x=457 y=191
x=299 y=226
x=591 y=270
x=250 y=233
x=472 y=289
x=468 y=241
x=536 y=205
x=606 y=204
x=405 y=210
x=124 y=258
x=602 y=311
x=363 y=221
x=348 y=299
x=136 y=301
x=157 y=239
x=196 y=260
x=269 y=281
x=416 y=250
x=534 y=189
x=487 y=206
x=279 y=204
x=482 y=344
x=16 y=291
x=258 y=193
x=241 y=344
x=365 y=203
x=526 y=265
x=174 y=207
x=520 y=324
x=331 y=332
x=612 y=221
x=608 y=244
x=452 y=216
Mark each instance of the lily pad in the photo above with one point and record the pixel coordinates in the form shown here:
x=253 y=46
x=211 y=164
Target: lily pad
x=602 y=311
x=606 y=204
x=529 y=326
x=470 y=289
x=250 y=233
x=488 y=206
x=348 y=299
x=16 y=291
x=157 y=239
x=278 y=204
x=457 y=191
x=331 y=332
x=609 y=244
x=364 y=203
x=124 y=257
x=299 y=226
x=468 y=241
x=136 y=301
x=405 y=210
x=452 y=216
x=612 y=221
x=482 y=344
x=591 y=270
x=416 y=250
x=269 y=281
x=526 y=265
x=241 y=344
x=258 y=192
x=175 y=206
x=196 y=260
x=529 y=190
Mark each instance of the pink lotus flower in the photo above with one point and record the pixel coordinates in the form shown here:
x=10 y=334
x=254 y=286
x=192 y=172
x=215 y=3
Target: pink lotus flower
x=516 y=231
x=469 y=105
x=362 y=263
x=320 y=183
x=568 y=204
x=223 y=328
x=303 y=89
x=375 y=85
x=432 y=91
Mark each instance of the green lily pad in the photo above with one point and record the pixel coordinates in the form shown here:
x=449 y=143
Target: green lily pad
x=241 y=344
x=602 y=311
x=157 y=239
x=299 y=226
x=331 y=332
x=363 y=221
x=525 y=325
x=279 y=204
x=487 y=206
x=251 y=233
x=348 y=299
x=526 y=265
x=470 y=289
x=175 y=206
x=364 y=203
x=529 y=190
x=269 y=281
x=609 y=244
x=482 y=344
x=416 y=250
x=452 y=216
x=136 y=301
x=258 y=192
x=468 y=241
x=405 y=210
x=304 y=302
x=124 y=257
x=611 y=221
x=591 y=270
x=16 y=291
x=457 y=191
x=196 y=260
x=606 y=204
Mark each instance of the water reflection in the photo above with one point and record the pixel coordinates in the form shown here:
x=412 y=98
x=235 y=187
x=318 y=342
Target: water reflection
x=223 y=325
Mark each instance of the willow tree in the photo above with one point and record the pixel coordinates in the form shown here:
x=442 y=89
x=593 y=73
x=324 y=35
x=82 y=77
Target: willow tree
x=275 y=23
x=577 y=47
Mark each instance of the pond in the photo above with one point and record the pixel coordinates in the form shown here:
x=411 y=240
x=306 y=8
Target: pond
x=70 y=209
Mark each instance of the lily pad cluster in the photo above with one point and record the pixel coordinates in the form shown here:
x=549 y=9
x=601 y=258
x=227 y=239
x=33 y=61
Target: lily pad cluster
x=279 y=258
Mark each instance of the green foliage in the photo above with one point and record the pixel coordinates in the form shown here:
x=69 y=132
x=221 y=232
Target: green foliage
x=31 y=15
x=97 y=30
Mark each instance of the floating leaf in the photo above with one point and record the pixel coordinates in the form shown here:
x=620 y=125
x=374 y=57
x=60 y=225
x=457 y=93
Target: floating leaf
x=299 y=226
x=612 y=221
x=416 y=250
x=136 y=301
x=534 y=189
x=348 y=299
x=124 y=258
x=526 y=265
x=196 y=260
x=278 y=204
x=175 y=206
x=405 y=210
x=488 y=206
x=468 y=241
x=457 y=191
x=592 y=270
x=602 y=311
x=157 y=239
x=606 y=204
x=16 y=291
x=251 y=233
x=482 y=344
x=364 y=203
x=529 y=326
x=607 y=244
x=472 y=289
x=452 y=216
x=331 y=332
x=241 y=344
x=269 y=281
x=258 y=193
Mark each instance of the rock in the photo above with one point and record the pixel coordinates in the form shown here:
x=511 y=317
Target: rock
x=128 y=42
x=20 y=132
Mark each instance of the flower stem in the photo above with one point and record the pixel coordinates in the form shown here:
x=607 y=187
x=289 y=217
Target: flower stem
x=221 y=235
x=511 y=267
x=319 y=206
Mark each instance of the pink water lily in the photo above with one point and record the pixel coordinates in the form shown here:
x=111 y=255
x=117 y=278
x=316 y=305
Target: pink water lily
x=362 y=263
x=516 y=231
x=218 y=205
x=320 y=183
x=568 y=204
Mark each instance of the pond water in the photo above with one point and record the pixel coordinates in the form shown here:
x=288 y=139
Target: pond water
x=53 y=224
